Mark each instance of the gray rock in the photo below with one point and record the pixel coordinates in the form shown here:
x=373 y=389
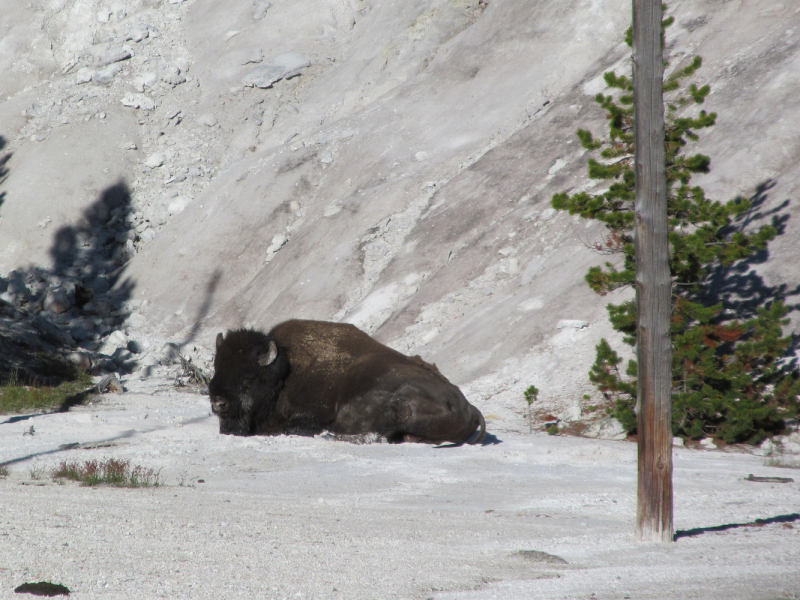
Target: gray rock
x=260 y=8
x=254 y=56
x=148 y=235
x=117 y=338
x=121 y=356
x=138 y=101
x=292 y=63
x=534 y=267
x=113 y=55
x=571 y=323
x=135 y=347
x=52 y=333
x=542 y=557
x=607 y=428
x=106 y=76
x=708 y=444
x=110 y=383
x=57 y=301
x=677 y=441
x=172 y=76
x=154 y=160
x=84 y=75
x=99 y=286
x=136 y=320
x=263 y=76
x=572 y=413
x=79 y=333
x=170 y=351
x=82 y=360
x=137 y=34
x=99 y=306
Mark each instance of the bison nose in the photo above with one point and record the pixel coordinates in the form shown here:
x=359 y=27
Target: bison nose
x=219 y=406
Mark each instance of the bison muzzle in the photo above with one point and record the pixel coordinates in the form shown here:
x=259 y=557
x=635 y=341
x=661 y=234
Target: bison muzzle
x=304 y=377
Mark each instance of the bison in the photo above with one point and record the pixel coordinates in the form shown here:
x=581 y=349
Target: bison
x=304 y=377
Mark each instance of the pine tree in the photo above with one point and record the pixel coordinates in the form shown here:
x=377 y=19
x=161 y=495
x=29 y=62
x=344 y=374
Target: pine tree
x=731 y=379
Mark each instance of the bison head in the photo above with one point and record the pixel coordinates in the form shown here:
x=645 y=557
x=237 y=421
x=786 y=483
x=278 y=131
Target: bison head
x=249 y=372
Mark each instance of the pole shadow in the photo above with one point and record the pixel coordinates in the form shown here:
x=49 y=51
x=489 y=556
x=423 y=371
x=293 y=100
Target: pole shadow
x=682 y=533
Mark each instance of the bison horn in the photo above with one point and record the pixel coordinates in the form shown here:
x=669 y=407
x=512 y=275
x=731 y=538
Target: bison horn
x=220 y=338
x=267 y=359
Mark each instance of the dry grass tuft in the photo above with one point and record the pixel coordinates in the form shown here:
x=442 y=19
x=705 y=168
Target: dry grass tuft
x=108 y=472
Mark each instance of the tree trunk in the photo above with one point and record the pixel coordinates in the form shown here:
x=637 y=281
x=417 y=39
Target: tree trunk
x=653 y=280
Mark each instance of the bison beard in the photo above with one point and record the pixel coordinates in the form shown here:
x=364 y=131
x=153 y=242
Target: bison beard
x=304 y=377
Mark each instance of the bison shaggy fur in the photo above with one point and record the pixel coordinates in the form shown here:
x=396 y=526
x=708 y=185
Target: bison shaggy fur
x=304 y=377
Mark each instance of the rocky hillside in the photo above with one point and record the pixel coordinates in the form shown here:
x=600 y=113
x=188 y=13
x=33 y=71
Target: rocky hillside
x=175 y=168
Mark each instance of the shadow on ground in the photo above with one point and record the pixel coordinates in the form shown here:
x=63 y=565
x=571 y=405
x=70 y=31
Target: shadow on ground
x=790 y=518
x=47 y=313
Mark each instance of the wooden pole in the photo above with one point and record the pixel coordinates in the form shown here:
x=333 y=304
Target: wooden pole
x=653 y=280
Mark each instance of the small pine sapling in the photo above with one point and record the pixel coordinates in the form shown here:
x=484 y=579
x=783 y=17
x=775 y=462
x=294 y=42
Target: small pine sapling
x=531 y=394
x=731 y=379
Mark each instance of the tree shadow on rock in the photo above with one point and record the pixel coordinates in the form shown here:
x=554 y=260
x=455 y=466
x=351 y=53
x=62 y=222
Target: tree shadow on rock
x=4 y=158
x=739 y=287
x=46 y=314
x=90 y=256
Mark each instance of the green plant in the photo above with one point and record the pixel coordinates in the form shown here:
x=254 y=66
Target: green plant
x=110 y=472
x=552 y=429
x=4 y=472
x=36 y=472
x=16 y=396
x=731 y=379
x=531 y=394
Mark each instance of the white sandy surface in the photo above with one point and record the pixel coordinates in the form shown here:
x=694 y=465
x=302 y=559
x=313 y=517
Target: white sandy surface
x=293 y=517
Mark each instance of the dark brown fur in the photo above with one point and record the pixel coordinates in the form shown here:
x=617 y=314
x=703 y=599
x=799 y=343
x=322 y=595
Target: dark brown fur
x=304 y=377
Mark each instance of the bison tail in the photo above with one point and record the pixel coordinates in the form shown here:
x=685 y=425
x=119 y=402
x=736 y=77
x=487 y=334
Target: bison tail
x=479 y=434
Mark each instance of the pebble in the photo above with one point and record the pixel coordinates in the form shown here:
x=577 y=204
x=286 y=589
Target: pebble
x=172 y=76
x=135 y=347
x=571 y=323
x=154 y=160
x=113 y=56
x=145 y=80
x=177 y=206
x=138 y=101
x=84 y=75
x=137 y=34
x=106 y=76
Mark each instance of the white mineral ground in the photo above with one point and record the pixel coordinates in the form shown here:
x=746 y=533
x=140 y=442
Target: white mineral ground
x=295 y=517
